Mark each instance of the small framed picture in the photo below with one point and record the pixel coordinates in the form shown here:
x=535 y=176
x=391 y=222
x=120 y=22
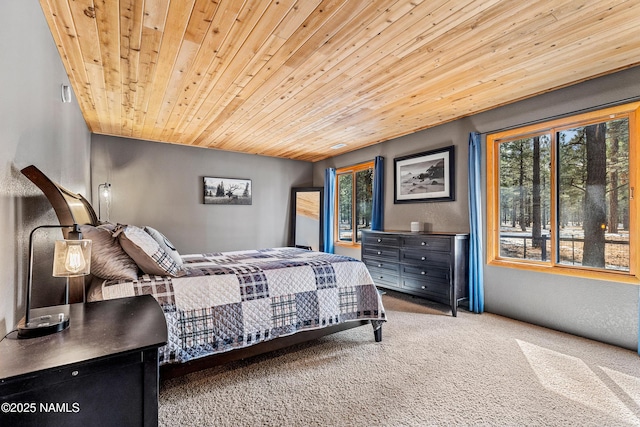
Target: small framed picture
x=425 y=177
x=227 y=191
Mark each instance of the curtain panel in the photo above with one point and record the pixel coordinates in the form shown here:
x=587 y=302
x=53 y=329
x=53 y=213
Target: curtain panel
x=476 y=265
x=329 y=214
x=377 y=211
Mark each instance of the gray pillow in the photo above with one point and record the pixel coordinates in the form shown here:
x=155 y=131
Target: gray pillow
x=165 y=244
x=108 y=259
x=146 y=252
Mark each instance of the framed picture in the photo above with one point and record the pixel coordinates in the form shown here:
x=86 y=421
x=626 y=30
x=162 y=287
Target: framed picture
x=227 y=191
x=425 y=177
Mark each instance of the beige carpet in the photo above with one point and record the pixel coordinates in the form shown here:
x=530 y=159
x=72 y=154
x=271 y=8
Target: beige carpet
x=430 y=369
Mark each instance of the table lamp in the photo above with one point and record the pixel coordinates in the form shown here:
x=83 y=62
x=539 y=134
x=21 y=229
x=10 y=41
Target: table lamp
x=72 y=257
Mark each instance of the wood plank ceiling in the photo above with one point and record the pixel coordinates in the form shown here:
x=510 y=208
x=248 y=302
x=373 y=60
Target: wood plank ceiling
x=291 y=78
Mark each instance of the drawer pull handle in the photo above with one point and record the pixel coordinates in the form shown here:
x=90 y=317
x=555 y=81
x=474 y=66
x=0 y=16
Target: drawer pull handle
x=423 y=272
x=379 y=240
x=379 y=265
x=423 y=258
x=424 y=287
x=381 y=277
x=425 y=244
x=74 y=373
x=379 y=253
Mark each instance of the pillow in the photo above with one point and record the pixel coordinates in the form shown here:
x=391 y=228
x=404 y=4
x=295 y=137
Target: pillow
x=108 y=259
x=165 y=244
x=145 y=251
x=108 y=225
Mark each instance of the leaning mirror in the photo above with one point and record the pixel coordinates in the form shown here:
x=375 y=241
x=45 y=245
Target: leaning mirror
x=306 y=218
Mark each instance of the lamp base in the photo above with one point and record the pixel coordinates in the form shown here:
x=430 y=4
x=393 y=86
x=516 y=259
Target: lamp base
x=45 y=321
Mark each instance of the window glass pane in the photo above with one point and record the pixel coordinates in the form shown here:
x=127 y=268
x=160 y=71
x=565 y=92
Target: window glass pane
x=593 y=204
x=525 y=178
x=345 y=205
x=364 y=201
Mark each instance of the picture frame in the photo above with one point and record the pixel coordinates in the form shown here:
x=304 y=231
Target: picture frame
x=425 y=177
x=227 y=191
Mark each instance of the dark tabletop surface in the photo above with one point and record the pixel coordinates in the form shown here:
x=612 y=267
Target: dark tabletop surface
x=97 y=330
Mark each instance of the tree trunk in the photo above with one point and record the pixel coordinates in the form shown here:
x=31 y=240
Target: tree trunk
x=595 y=197
x=536 y=228
x=521 y=217
x=613 y=194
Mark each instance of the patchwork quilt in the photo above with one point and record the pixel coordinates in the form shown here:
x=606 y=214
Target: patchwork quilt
x=235 y=299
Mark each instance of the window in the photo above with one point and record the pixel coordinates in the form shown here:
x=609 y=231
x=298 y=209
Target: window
x=354 y=202
x=560 y=195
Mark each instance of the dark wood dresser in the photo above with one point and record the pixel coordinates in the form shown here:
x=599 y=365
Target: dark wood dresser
x=433 y=266
x=101 y=371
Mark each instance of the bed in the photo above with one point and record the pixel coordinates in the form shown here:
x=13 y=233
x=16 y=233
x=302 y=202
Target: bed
x=219 y=306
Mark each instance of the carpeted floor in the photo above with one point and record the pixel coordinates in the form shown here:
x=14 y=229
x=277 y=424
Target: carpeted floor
x=430 y=369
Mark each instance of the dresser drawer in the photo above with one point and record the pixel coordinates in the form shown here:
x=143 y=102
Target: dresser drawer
x=425 y=258
x=380 y=252
x=442 y=275
x=381 y=239
x=433 y=243
x=381 y=264
x=436 y=288
x=383 y=277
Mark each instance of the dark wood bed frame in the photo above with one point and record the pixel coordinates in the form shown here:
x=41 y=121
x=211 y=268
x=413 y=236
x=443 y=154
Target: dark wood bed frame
x=72 y=208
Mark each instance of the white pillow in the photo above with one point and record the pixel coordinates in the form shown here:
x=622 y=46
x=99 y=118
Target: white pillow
x=165 y=244
x=146 y=252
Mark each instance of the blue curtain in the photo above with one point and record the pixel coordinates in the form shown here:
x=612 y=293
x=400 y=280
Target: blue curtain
x=476 y=270
x=329 y=214
x=377 y=214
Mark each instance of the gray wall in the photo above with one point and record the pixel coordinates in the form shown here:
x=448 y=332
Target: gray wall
x=37 y=128
x=450 y=216
x=605 y=311
x=161 y=185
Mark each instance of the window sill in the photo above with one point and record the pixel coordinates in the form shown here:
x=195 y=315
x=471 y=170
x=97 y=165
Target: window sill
x=348 y=244
x=609 y=276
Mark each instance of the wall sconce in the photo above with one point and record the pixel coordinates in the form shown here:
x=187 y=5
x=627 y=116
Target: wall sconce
x=104 y=197
x=72 y=258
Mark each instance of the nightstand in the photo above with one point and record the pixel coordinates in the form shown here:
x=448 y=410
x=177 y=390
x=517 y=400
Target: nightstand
x=101 y=371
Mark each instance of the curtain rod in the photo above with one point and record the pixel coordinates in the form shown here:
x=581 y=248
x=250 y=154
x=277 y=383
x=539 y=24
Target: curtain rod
x=571 y=113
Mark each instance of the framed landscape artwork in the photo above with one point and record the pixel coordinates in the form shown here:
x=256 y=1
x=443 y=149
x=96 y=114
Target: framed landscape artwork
x=227 y=191
x=425 y=177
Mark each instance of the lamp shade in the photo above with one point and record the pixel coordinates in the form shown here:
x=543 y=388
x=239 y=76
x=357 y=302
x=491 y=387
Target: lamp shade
x=72 y=258
x=105 y=193
x=104 y=198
